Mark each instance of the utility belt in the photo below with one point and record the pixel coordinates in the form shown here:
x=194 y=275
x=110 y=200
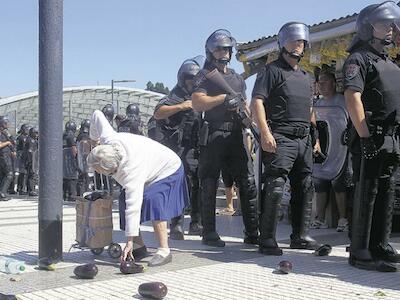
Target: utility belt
x=225 y=126
x=216 y=126
x=299 y=132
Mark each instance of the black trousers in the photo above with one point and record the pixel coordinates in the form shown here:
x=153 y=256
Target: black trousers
x=190 y=164
x=293 y=160
x=225 y=150
x=372 y=227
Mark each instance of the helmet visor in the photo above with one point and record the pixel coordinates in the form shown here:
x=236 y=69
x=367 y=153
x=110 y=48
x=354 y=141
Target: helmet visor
x=385 y=15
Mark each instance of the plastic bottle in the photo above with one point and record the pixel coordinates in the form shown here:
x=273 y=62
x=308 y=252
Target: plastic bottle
x=11 y=266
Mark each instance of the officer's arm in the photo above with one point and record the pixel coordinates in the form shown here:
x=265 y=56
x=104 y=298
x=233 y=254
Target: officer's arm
x=165 y=111
x=258 y=109
x=4 y=144
x=203 y=102
x=313 y=118
x=355 y=108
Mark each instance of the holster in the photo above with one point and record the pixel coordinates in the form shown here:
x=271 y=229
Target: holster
x=203 y=134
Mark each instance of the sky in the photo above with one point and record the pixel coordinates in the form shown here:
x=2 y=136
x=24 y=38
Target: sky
x=142 y=40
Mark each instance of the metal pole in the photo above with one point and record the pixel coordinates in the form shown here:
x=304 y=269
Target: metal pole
x=50 y=124
x=112 y=93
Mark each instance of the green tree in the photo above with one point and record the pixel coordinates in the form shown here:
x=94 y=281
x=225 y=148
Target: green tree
x=158 y=87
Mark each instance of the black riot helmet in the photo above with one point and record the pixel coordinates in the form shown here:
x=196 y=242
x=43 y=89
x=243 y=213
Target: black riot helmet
x=189 y=69
x=108 y=111
x=132 y=111
x=24 y=129
x=4 y=122
x=69 y=126
x=85 y=126
x=386 y=12
x=293 y=31
x=33 y=132
x=220 y=38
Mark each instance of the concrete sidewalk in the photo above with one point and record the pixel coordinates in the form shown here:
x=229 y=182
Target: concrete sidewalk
x=197 y=271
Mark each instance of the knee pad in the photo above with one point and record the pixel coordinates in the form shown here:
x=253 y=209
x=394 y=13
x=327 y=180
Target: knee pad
x=10 y=175
x=274 y=186
x=248 y=184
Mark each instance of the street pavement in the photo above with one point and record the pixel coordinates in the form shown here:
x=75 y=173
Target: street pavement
x=196 y=272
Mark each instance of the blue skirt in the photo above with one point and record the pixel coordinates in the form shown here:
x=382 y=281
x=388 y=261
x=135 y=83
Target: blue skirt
x=162 y=200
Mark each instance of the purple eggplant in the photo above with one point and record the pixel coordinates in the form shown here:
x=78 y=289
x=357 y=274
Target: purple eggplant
x=153 y=290
x=88 y=271
x=285 y=267
x=129 y=267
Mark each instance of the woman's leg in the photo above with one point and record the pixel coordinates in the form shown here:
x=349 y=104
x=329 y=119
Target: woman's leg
x=160 y=229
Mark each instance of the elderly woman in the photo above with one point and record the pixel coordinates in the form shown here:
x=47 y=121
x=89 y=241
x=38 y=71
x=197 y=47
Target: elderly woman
x=152 y=176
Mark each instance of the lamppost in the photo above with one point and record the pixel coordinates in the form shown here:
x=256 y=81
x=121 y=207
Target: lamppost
x=112 y=90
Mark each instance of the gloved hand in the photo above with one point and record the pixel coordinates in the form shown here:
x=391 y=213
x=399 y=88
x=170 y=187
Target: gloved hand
x=368 y=148
x=232 y=101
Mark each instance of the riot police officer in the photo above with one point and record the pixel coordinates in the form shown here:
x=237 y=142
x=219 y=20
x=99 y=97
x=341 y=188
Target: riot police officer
x=180 y=126
x=69 y=162
x=83 y=138
x=132 y=121
x=282 y=102
x=371 y=83
x=31 y=154
x=21 y=159
x=6 y=170
x=221 y=139
x=108 y=111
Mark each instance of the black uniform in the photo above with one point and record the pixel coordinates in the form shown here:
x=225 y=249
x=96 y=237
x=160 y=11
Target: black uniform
x=31 y=148
x=131 y=125
x=377 y=78
x=180 y=132
x=6 y=164
x=83 y=178
x=21 y=164
x=71 y=176
x=224 y=149
x=287 y=99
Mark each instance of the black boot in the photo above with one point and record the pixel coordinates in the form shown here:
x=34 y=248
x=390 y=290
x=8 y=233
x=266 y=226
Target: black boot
x=360 y=255
x=208 y=193
x=195 y=228
x=140 y=253
x=3 y=197
x=381 y=227
x=270 y=200
x=5 y=183
x=248 y=203
x=212 y=239
x=301 y=203
x=176 y=230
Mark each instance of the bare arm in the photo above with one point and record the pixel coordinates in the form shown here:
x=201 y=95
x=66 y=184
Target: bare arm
x=260 y=117
x=165 y=111
x=355 y=108
x=4 y=144
x=313 y=120
x=268 y=142
x=203 y=102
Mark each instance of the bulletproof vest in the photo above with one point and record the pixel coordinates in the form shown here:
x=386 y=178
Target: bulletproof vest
x=290 y=101
x=68 y=139
x=31 y=146
x=21 y=140
x=5 y=151
x=83 y=136
x=180 y=129
x=382 y=89
x=220 y=113
x=131 y=126
x=154 y=130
